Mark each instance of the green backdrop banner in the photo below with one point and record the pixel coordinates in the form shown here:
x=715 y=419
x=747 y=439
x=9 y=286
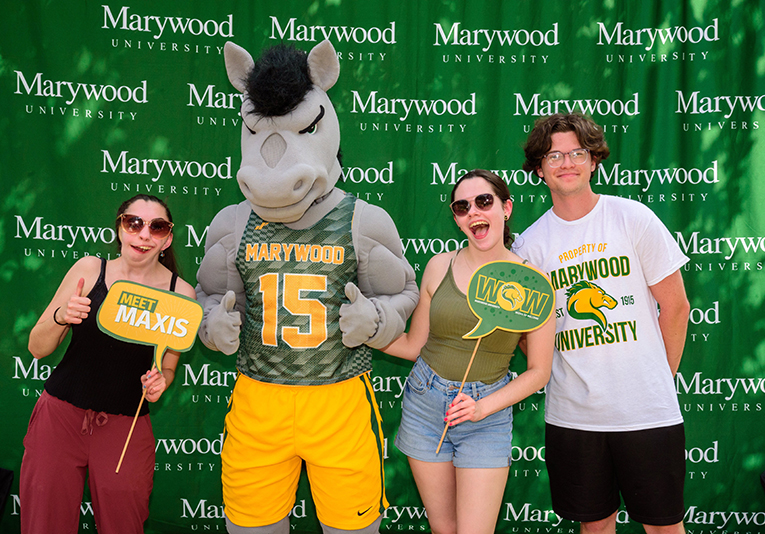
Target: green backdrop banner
x=103 y=100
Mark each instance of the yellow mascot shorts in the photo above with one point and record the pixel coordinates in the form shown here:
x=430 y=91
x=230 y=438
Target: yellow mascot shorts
x=336 y=429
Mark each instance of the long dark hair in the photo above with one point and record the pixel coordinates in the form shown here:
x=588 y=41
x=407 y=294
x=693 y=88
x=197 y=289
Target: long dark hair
x=167 y=258
x=500 y=189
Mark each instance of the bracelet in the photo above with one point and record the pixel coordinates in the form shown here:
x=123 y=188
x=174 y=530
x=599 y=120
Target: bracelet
x=56 y=320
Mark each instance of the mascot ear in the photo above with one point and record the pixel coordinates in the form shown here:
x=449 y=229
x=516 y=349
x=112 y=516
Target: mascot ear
x=239 y=63
x=323 y=66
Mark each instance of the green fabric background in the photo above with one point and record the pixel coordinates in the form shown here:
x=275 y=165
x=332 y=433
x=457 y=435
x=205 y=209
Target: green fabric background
x=683 y=115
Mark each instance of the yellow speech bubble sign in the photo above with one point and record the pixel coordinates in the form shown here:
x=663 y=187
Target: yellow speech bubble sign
x=149 y=316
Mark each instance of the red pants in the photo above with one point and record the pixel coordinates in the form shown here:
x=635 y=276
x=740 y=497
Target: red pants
x=63 y=445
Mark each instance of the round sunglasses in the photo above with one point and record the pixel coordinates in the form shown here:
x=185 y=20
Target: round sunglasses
x=133 y=224
x=484 y=202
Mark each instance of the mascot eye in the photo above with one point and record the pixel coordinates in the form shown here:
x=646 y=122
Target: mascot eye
x=250 y=129
x=311 y=128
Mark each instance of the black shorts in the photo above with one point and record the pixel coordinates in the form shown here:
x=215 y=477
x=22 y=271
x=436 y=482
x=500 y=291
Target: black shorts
x=588 y=470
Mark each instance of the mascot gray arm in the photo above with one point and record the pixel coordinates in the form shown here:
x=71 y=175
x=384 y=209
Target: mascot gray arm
x=387 y=292
x=220 y=290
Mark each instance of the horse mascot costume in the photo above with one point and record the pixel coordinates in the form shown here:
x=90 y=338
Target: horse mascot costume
x=313 y=277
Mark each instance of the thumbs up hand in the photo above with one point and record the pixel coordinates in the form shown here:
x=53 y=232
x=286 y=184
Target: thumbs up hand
x=77 y=308
x=359 y=319
x=223 y=324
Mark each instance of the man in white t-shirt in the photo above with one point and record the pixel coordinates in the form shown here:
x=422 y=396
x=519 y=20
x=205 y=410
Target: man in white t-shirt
x=613 y=422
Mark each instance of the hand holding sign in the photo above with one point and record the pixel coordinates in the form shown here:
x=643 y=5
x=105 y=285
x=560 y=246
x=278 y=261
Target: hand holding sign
x=509 y=296
x=154 y=384
x=148 y=316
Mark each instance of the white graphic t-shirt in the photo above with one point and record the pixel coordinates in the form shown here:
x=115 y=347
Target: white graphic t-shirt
x=610 y=370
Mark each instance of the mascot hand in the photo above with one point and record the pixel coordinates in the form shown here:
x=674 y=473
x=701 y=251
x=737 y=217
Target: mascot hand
x=223 y=324
x=359 y=319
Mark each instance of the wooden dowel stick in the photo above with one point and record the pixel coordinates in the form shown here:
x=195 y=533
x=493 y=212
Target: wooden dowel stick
x=124 y=449
x=470 y=363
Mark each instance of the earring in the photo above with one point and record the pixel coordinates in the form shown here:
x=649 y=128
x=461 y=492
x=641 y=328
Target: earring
x=507 y=217
x=162 y=254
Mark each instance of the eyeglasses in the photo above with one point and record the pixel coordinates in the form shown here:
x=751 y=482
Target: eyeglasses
x=133 y=224
x=483 y=202
x=578 y=156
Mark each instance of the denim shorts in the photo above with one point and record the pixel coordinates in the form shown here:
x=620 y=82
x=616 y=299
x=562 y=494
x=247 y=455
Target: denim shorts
x=427 y=396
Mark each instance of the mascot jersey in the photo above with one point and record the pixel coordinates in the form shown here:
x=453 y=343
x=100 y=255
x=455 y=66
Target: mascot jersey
x=610 y=370
x=295 y=282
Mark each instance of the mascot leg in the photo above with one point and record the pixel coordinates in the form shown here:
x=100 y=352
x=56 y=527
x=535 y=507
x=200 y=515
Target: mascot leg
x=374 y=528
x=280 y=527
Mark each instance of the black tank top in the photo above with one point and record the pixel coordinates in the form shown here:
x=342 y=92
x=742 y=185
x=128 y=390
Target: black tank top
x=99 y=372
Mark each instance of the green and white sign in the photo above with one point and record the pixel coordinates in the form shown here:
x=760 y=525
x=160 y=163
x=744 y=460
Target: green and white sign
x=509 y=296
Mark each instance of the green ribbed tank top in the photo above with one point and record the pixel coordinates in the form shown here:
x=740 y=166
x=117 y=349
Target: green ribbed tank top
x=448 y=354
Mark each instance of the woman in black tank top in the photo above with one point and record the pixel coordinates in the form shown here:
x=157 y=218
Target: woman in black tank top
x=80 y=423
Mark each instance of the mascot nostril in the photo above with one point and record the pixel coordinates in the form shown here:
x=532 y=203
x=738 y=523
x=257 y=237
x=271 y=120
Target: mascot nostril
x=301 y=279
x=273 y=149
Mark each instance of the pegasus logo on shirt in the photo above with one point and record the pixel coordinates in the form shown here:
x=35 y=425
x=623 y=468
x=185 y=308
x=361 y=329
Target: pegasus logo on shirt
x=584 y=301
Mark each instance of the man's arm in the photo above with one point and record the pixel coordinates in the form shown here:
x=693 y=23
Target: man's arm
x=674 y=310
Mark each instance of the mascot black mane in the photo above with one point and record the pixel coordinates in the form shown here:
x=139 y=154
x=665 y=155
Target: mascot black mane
x=278 y=82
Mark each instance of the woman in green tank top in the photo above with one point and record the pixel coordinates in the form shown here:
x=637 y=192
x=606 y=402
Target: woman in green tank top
x=462 y=486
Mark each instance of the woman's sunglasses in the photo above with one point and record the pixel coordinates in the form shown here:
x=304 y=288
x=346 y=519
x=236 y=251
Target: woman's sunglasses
x=460 y=208
x=133 y=224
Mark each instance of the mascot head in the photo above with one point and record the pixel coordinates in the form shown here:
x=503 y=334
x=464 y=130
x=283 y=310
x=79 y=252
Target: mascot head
x=290 y=132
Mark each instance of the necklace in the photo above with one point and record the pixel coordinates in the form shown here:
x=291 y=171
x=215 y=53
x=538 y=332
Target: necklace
x=472 y=269
x=466 y=261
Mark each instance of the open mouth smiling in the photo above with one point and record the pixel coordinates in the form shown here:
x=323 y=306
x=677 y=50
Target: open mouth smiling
x=479 y=228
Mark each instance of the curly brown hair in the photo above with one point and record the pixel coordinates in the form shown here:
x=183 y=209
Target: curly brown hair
x=589 y=134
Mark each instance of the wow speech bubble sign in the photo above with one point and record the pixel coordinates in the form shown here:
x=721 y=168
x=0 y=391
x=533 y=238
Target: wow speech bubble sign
x=510 y=296
x=148 y=316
